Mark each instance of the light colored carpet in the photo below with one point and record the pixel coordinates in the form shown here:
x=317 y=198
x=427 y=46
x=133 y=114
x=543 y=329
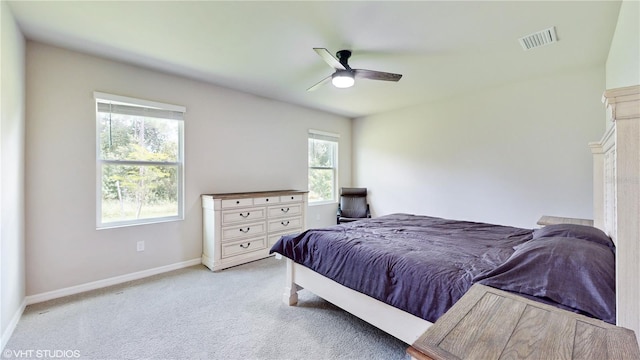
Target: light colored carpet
x=194 y=313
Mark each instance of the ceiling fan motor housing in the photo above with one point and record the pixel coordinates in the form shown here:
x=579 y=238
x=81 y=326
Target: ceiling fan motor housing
x=343 y=56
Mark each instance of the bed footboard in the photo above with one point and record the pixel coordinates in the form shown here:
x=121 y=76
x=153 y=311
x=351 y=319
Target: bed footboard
x=395 y=322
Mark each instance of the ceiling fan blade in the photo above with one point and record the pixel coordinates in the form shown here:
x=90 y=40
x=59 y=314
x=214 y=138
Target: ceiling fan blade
x=376 y=75
x=329 y=59
x=320 y=83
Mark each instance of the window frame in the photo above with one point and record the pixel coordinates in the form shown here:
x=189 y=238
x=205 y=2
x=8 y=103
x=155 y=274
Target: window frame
x=100 y=97
x=327 y=136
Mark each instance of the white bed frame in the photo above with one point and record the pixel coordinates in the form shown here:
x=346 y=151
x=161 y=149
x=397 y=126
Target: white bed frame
x=387 y=318
x=616 y=211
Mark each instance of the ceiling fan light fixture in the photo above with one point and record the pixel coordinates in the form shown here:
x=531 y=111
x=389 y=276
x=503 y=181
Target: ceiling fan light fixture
x=342 y=79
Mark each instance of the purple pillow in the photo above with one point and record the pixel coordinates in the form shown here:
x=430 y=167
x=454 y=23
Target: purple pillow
x=575 y=231
x=577 y=274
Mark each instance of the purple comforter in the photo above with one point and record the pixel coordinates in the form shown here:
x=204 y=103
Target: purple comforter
x=419 y=264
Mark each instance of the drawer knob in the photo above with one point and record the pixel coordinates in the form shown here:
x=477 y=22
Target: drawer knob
x=245 y=246
x=267 y=200
x=245 y=231
x=245 y=216
x=285 y=210
x=237 y=201
x=284 y=223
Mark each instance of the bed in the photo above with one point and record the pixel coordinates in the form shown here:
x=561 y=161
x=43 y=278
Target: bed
x=422 y=265
x=507 y=263
x=418 y=264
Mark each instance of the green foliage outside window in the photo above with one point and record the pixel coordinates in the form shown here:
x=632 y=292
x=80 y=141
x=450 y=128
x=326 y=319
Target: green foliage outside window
x=139 y=168
x=322 y=169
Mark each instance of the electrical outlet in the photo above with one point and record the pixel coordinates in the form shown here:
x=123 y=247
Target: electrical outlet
x=140 y=246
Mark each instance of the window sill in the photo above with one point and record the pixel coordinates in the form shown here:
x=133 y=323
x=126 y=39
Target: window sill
x=320 y=203
x=122 y=224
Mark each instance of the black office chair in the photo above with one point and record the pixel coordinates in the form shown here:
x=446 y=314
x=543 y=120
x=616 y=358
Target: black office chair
x=353 y=205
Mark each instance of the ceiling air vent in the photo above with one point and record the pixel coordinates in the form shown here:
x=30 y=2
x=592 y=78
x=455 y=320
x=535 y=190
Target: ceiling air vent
x=540 y=38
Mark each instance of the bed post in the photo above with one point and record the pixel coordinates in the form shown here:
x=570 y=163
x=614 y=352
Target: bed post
x=621 y=203
x=290 y=296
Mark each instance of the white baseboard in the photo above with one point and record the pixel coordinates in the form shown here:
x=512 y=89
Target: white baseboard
x=6 y=335
x=50 y=295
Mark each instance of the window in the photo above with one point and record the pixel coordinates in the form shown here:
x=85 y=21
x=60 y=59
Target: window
x=139 y=161
x=323 y=166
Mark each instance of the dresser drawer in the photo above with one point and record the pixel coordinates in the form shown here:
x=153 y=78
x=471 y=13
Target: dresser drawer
x=266 y=200
x=246 y=230
x=291 y=198
x=284 y=224
x=242 y=215
x=234 y=203
x=241 y=247
x=274 y=238
x=285 y=210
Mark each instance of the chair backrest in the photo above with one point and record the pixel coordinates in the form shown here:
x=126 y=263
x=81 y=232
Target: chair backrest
x=353 y=202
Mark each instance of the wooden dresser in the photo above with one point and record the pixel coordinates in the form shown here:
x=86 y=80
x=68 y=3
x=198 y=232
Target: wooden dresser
x=487 y=324
x=242 y=227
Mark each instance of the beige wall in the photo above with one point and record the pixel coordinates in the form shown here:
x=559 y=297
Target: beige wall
x=623 y=62
x=233 y=142
x=12 y=123
x=506 y=155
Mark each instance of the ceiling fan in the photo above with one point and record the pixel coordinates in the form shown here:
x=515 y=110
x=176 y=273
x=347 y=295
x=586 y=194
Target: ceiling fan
x=344 y=76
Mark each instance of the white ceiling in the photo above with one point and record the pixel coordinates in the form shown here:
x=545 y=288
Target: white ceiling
x=443 y=48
